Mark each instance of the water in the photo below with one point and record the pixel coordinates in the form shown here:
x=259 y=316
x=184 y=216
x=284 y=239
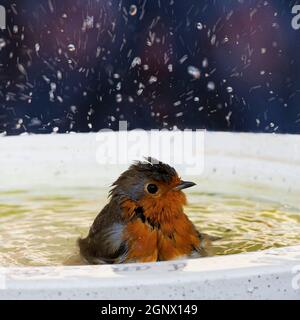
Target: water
x=40 y=227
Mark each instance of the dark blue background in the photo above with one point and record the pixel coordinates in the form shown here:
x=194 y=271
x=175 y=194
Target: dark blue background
x=256 y=53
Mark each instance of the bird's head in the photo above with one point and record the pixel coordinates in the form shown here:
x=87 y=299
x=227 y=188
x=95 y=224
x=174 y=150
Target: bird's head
x=152 y=185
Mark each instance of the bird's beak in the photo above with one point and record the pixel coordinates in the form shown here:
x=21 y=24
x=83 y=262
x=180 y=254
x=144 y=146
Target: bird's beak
x=184 y=185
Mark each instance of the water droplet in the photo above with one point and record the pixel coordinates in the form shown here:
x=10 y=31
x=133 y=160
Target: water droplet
x=136 y=62
x=59 y=75
x=229 y=89
x=213 y=39
x=211 y=86
x=205 y=63
x=152 y=79
x=133 y=10
x=199 y=26
x=22 y=69
x=119 y=98
x=73 y=109
x=53 y=86
x=2 y=43
x=183 y=58
x=88 y=23
x=119 y=86
x=71 y=47
x=37 y=47
x=170 y=68
x=139 y=92
x=194 y=72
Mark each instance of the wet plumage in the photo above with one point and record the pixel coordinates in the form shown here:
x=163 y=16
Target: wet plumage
x=144 y=220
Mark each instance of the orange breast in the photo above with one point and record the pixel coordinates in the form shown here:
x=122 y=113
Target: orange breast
x=170 y=241
x=176 y=239
x=142 y=242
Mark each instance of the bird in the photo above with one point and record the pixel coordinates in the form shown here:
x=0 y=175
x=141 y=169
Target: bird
x=144 y=220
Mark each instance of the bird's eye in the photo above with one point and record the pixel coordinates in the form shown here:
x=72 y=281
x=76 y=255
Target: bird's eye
x=152 y=188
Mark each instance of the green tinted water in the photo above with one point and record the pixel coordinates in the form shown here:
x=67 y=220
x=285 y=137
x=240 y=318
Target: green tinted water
x=41 y=228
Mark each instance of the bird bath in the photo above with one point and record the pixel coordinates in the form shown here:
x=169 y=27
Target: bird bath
x=52 y=187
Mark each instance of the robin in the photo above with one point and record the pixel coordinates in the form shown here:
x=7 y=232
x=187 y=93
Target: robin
x=144 y=220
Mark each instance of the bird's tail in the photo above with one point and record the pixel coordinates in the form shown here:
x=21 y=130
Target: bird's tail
x=87 y=251
x=81 y=242
x=84 y=247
